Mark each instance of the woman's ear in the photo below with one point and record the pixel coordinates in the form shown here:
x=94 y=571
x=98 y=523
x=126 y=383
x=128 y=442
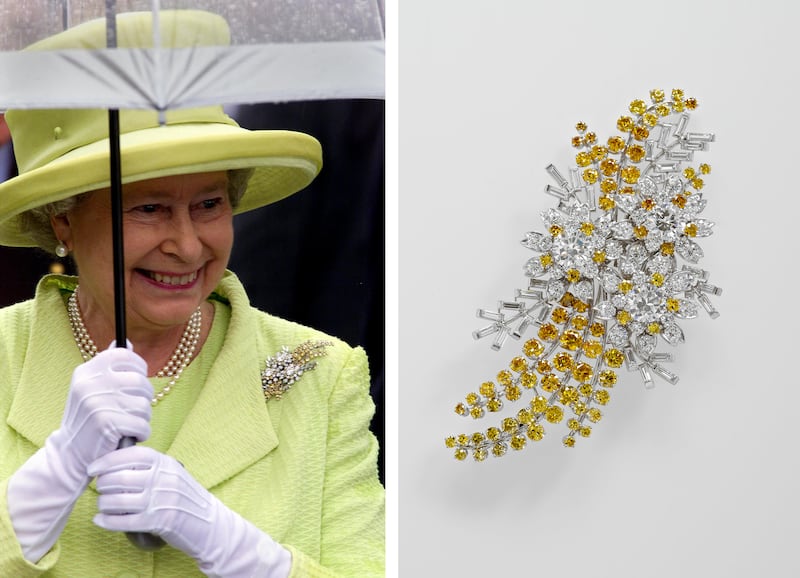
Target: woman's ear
x=62 y=229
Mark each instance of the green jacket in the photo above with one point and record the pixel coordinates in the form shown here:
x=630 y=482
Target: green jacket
x=302 y=468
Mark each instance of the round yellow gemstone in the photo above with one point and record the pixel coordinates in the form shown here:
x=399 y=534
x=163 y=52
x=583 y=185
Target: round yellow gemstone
x=533 y=348
x=587 y=228
x=697 y=183
x=689 y=173
x=450 y=441
x=493 y=433
x=559 y=314
x=461 y=454
x=590 y=176
x=580 y=306
x=595 y=414
x=510 y=425
x=519 y=364
x=623 y=317
x=599 y=152
x=473 y=398
x=487 y=389
x=691 y=103
x=690 y=230
x=616 y=144
x=548 y=332
x=649 y=204
x=573 y=276
x=657 y=95
x=499 y=449
x=640 y=231
x=662 y=110
x=580 y=126
x=586 y=431
x=586 y=389
x=650 y=119
x=583 y=159
x=677 y=94
x=518 y=442
x=673 y=305
x=657 y=279
x=608 y=378
x=577 y=141
x=528 y=380
x=480 y=454
x=625 y=286
x=539 y=404
x=568 y=441
x=568 y=395
x=524 y=416
x=546 y=259
x=476 y=412
x=573 y=424
x=478 y=438
x=601 y=396
x=550 y=383
x=608 y=186
x=583 y=372
x=597 y=329
x=543 y=366
x=535 y=432
x=678 y=106
x=567 y=300
x=513 y=393
x=638 y=106
x=705 y=168
x=579 y=408
x=462 y=439
x=592 y=349
x=614 y=358
x=571 y=340
x=679 y=201
x=635 y=153
x=554 y=414
x=494 y=405
x=625 y=123
x=562 y=362
x=461 y=409
x=590 y=137
x=630 y=175
x=606 y=203
x=555 y=230
x=640 y=132
x=599 y=256
x=505 y=377
x=653 y=328
x=609 y=167
x=667 y=249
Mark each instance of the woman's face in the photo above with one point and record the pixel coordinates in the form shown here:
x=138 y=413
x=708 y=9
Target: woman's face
x=178 y=234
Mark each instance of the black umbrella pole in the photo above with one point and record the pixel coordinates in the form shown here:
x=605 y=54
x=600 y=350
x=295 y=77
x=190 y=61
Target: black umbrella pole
x=139 y=539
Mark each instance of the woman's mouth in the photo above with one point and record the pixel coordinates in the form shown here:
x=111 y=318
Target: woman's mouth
x=171 y=279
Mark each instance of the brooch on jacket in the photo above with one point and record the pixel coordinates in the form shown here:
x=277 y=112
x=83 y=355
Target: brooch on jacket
x=286 y=367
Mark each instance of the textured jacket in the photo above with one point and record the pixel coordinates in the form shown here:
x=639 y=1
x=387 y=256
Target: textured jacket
x=302 y=468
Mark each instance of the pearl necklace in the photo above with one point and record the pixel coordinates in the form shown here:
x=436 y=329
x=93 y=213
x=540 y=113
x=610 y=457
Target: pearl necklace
x=180 y=358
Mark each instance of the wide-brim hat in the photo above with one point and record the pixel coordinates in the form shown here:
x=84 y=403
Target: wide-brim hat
x=65 y=152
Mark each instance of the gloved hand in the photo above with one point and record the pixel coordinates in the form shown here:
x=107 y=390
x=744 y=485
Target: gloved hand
x=109 y=398
x=142 y=490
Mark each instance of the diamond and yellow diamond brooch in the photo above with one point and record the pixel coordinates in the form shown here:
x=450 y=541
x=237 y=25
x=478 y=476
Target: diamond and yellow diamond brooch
x=286 y=367
x=614 y=275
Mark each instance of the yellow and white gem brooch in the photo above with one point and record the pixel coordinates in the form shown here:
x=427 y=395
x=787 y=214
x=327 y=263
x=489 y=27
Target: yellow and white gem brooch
x=614 y=275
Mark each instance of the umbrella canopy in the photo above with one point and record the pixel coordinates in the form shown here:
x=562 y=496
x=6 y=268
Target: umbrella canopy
x=278 y=51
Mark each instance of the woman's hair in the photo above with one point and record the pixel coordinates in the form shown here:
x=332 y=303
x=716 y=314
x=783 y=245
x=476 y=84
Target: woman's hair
x=36 y=222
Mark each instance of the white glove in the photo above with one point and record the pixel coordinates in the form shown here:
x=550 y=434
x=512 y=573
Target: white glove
x=142 y=490
x=109 y=398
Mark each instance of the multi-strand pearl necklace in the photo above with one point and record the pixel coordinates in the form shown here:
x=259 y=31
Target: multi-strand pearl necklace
x=180 y=358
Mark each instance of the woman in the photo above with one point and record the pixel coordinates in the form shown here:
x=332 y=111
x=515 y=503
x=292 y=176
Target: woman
x=253 y=456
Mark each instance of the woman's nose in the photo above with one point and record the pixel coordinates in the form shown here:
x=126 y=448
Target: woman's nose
x=182 y=239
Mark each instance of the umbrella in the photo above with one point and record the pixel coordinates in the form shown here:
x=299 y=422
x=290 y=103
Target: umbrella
x=279 y=51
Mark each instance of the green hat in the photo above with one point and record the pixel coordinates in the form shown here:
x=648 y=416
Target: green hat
x=62 y=153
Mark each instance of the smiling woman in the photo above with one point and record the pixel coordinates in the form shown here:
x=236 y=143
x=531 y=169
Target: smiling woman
x=255 y=456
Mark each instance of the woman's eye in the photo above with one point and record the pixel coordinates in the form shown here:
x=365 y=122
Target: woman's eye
x=211 y=203
x=147 y=208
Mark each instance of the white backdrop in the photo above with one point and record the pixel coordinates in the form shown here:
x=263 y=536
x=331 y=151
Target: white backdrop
x=696 y=479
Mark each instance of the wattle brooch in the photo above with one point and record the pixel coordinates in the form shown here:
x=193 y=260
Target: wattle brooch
x=286 y=367
x=615 y=273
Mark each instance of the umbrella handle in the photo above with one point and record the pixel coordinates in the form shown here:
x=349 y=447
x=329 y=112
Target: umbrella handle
x=141 y=540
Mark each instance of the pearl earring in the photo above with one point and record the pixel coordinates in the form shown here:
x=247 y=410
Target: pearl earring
x=61 y=249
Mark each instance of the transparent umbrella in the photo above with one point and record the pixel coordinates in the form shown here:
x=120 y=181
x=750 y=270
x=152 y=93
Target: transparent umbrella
x=278 y=50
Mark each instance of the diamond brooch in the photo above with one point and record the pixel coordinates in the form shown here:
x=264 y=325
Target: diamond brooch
x=286 y=367
x=613 y=276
